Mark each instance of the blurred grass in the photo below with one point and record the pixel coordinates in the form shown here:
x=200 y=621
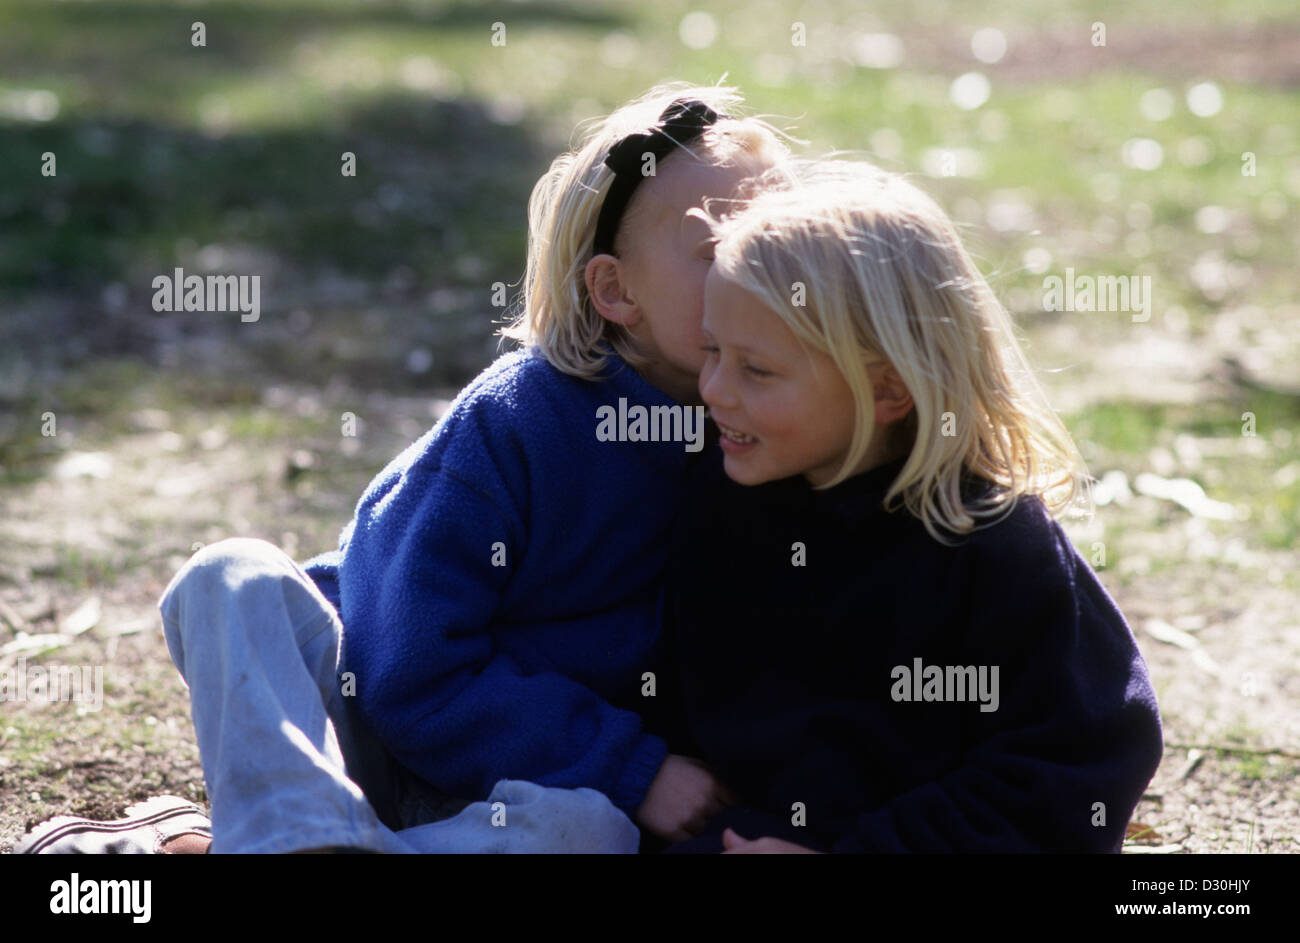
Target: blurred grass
x=241 y=140
x=174 y=155
x=1122 y=436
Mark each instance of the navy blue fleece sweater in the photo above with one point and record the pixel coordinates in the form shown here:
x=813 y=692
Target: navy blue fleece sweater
x=499 y=587
x=791 y=682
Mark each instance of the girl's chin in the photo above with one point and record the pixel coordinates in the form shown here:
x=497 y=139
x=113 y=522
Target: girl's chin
x=738 y=472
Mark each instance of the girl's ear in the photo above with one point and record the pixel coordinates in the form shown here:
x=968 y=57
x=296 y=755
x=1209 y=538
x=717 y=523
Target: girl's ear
x=608 y=293
x=893 y=400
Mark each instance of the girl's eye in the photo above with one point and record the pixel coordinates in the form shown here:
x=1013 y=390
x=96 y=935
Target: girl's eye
x=756 y=371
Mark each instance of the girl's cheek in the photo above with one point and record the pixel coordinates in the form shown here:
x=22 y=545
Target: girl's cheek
x=780 y=415
x=759 y=406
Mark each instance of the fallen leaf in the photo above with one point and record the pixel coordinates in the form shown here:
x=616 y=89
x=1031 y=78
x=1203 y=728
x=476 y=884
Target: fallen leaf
x=1184 y=492
x=1202 y=659
x=82 y=619
x=84 y=465
x=1145 y=834
x=35 y=644
x=1162 y=631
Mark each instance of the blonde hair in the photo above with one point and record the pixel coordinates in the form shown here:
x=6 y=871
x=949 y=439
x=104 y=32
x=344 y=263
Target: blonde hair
x=555 y=314
x=885 y=275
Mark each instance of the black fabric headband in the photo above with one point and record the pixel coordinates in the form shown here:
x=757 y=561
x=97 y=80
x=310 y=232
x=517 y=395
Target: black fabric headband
x=681 y=122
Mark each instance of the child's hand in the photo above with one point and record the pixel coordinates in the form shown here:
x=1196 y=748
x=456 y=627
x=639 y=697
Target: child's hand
x=733 y=844
x=682 y=798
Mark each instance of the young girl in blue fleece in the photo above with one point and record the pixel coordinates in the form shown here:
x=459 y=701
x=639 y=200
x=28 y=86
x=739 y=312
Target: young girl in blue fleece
x=497 y=588
x=885 y=641
x=499 y=585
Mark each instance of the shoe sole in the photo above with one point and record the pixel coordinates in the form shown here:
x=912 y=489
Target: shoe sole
x=137 y=816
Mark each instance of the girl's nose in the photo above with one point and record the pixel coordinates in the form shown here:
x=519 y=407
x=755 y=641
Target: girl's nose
x=714 y=389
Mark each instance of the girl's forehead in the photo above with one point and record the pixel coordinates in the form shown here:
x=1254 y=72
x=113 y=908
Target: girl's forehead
x=735 y=308
x=674 y=192
x=683 y=184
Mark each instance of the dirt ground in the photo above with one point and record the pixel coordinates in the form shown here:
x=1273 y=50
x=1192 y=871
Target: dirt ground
x=1217 y=622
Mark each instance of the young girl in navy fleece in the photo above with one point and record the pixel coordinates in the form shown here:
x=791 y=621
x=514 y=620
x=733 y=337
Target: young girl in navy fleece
x=499 y=585
x=885 y=641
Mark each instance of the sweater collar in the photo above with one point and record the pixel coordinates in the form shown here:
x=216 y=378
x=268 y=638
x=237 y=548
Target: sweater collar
x=855 y=499
x=862 y=497
x=859 y=497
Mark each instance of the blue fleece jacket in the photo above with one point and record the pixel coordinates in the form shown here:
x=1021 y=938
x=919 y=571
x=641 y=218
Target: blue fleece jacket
x=499 y=587
x=806 y=625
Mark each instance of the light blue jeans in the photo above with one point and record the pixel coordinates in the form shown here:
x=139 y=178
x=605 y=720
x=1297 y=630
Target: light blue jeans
x=288 y=762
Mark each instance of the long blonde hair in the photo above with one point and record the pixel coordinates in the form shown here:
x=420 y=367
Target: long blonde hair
x=885 y=275
x=555 y=314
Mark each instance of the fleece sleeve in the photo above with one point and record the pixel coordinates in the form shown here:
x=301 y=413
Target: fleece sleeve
x=1063 y=761
x=419 y=596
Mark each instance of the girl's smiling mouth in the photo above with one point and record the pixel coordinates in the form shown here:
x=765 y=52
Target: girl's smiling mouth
x=733 y=439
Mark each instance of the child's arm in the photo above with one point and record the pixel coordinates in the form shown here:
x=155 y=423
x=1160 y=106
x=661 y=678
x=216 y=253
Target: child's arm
x=419 y=595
